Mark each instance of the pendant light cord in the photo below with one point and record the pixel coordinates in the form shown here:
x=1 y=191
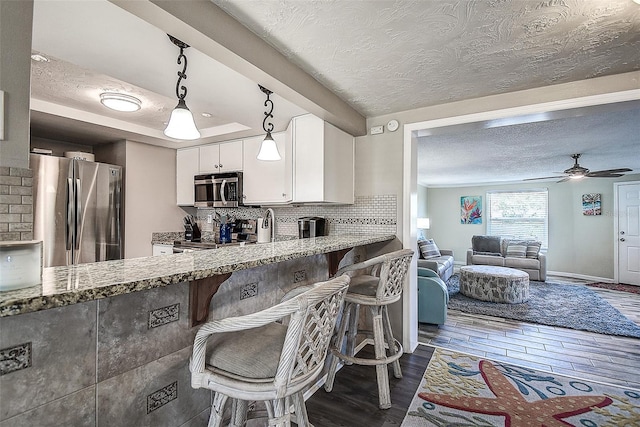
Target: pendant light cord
x=268 y=127
x=181 y=75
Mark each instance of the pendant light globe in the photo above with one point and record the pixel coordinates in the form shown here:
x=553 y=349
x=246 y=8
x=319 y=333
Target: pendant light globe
x=181 y=124
x=268 y=149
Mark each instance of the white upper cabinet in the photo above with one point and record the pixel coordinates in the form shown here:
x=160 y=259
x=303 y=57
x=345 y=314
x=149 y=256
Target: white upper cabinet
x=317 y=165
x=222 y=157
x=267 y=182
x=187 y=160
x=324 y=162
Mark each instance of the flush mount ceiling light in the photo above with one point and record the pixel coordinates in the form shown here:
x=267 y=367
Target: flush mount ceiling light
x=120 y=102
x=268 y=148
x=181 y=124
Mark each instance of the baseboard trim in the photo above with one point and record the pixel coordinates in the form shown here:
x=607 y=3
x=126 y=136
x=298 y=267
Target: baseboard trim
x=580 y=276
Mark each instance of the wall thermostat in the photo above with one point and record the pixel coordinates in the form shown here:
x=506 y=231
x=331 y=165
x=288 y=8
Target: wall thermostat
x=392 y=126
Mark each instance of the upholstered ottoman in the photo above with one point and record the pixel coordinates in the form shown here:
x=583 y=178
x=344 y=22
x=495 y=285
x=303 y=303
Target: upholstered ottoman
x=494 y=284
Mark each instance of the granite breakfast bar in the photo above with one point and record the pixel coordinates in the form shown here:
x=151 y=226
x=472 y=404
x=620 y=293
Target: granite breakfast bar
x=108 y=343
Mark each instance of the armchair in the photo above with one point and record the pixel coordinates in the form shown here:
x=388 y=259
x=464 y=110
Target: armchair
x=433 y=297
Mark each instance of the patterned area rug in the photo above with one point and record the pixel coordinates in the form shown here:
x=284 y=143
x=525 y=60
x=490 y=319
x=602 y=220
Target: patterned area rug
x=554 y=304
x=463 y=390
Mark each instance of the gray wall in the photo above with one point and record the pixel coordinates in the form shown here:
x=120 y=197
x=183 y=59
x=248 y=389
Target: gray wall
x=150 y=196
x=578 y=244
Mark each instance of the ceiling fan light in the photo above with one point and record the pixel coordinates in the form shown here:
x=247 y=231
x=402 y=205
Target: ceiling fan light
x=181 y=124
x=120 y=102
x=577 y=176
x=268 y=149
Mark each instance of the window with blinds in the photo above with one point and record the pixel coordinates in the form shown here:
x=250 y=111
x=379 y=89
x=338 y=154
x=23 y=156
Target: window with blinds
x=519 y=214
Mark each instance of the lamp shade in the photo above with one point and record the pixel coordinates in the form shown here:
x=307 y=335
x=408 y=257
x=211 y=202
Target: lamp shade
x=268 y=149
x=181 y=124
x=423 y=223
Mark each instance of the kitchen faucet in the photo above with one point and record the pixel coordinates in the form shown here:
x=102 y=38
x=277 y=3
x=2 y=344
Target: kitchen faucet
x=265 y=223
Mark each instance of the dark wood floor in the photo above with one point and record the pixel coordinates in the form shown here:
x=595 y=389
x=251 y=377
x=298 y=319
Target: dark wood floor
x=354 y=399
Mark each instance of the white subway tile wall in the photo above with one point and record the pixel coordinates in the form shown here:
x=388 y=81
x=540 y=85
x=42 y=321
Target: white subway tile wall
x=16 y=204
x=368 y=215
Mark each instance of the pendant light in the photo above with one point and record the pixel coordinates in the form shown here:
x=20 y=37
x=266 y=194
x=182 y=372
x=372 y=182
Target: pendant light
x=268 y=148
x=181 y=124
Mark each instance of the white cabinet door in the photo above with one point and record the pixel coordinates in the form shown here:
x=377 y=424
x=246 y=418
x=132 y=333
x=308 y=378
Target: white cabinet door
x=267 y=182
x=222 y=157
x=186 y=167
x=159 y=249
x=231 y=156
x=324 y=163
x=209 y=159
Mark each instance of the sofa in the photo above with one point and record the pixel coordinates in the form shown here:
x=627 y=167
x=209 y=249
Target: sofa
x=433 y=297
x=435 y=259
x=520 y=254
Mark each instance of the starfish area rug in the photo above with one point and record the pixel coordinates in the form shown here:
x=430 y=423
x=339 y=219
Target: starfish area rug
x=463 y=390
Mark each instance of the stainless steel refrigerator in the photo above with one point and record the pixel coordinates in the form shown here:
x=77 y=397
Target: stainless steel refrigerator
x=77 y=209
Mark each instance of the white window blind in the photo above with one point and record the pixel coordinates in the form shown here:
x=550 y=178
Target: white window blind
x=519 y=214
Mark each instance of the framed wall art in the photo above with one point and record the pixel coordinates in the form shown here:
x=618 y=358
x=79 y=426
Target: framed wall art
x=592 y=204
x=471 y=210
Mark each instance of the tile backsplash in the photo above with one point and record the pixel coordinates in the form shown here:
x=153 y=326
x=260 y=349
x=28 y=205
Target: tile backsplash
x=368 y=215
x=16 y=204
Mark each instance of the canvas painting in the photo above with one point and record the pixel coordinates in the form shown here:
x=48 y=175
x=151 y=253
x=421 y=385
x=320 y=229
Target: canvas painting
x=471 y=210
x=591 y=204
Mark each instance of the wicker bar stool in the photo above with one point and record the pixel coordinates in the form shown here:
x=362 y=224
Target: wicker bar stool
x=256 y=358
x=380 y=285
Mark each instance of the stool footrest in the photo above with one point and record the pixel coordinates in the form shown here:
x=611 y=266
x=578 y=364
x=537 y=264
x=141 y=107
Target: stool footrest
x=369 y=361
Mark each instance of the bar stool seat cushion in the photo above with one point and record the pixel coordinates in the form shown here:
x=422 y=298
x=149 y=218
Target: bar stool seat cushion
x=252 y=353
x=363 y=285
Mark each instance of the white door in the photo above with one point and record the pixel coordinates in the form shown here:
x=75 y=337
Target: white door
x=628 y=233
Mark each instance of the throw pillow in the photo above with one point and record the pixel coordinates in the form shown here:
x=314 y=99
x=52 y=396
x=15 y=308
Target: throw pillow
x=485 y=244
x=421 y=241
x=428 y=249
x=517 y=249
x=533 y=249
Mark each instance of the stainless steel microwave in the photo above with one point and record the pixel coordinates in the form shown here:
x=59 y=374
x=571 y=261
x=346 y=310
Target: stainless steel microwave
x=221 y=190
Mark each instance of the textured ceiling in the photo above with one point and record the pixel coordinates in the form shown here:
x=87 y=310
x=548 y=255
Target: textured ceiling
x=388 y=56
x=608 y=139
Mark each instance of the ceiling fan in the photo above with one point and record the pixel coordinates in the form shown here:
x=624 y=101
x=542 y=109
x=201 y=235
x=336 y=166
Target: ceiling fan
x=577 y=172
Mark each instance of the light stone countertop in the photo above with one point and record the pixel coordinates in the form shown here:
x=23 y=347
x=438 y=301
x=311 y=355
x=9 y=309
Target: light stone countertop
x=63 y=286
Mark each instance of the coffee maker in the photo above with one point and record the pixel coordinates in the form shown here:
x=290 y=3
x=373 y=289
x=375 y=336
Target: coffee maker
x=311 y=226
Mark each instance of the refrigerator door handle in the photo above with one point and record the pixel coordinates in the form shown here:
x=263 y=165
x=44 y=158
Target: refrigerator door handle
x=78 y=214
x=70 y=200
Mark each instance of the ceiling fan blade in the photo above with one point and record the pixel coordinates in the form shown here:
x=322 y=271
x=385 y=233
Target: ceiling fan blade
x=608 y=172
x=606 y=175
x=544 y=177
x=566 y=178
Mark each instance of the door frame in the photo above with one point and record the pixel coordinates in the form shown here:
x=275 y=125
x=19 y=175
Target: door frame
x=616 y=227
x=409 y=182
